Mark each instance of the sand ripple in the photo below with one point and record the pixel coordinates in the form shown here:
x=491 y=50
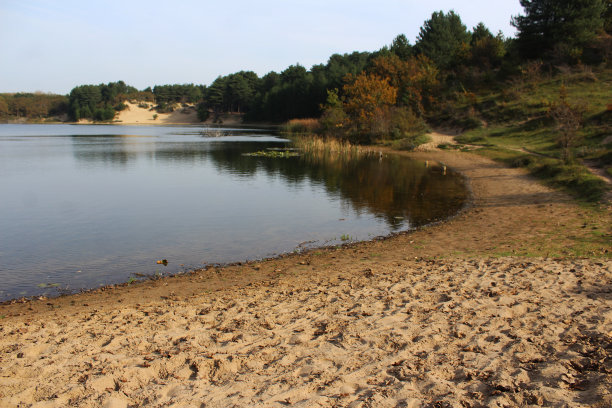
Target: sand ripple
x=410 y=333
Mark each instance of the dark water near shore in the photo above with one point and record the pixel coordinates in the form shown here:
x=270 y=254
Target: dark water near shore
x=83 y=206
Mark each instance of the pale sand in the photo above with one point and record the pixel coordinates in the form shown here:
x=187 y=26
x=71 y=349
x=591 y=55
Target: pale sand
x=436 y=139
x=135 y=115
x=504 y=332
x=372 y=325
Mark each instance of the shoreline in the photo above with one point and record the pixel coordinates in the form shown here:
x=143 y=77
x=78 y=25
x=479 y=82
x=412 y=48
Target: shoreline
x=305 y=251
x=494 y=307
x=181 y=124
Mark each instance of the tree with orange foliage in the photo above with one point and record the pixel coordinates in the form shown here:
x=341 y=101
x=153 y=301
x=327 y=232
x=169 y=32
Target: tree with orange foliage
x=367 y=101
x=415 y=79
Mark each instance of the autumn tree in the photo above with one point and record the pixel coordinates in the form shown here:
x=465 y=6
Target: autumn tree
x=367 y=98
x=365 y=111
x=415 y=79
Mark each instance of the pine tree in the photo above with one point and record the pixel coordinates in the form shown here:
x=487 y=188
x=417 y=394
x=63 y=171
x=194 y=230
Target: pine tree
x=608 y=17
x=442 y=38
x=561 y=27
x=401 y=47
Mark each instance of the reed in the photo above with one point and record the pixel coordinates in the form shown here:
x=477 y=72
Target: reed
x=329 y=146
x=301 y=126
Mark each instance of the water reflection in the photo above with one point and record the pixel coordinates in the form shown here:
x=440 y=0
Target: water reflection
x=394 y=188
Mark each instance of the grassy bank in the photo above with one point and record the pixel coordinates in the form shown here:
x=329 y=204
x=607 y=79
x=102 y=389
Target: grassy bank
x=513 y=124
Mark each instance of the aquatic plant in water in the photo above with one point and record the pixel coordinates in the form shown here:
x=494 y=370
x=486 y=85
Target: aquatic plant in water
x=274 y=154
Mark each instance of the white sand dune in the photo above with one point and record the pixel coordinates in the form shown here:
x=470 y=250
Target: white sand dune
x=136 y=115
x=182 y=115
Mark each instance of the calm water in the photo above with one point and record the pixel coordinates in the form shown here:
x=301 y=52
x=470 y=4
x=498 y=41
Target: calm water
x=83 y=206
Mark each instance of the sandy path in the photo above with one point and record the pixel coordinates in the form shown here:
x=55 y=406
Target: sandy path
x=421 y=319
x=436 y=140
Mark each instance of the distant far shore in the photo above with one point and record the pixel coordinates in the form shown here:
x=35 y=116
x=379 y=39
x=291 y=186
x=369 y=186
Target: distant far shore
x=140 y=113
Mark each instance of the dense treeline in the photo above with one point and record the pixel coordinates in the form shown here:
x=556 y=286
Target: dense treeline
x=392 y=92
x=99 y=102
x=32 y=105
x=299 y=93
x=166 y=95
x=413 y=83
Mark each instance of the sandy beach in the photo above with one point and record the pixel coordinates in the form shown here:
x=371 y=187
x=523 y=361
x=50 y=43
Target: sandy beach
x=489 y=309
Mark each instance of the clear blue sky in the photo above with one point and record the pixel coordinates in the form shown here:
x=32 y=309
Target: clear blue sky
x=54 y=45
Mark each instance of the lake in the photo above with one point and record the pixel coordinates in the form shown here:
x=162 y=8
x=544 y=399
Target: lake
x=90 y=205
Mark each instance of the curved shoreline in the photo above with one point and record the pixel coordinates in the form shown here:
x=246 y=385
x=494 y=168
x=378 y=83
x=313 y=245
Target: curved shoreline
x=304 y=250
x=479 y=198
x=438 y=315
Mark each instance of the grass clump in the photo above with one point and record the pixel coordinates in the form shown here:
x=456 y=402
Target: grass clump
x=316 y=144
x=411 y=143
x=301 y=126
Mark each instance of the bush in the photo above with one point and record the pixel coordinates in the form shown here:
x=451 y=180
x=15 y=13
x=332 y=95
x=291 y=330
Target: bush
x=120 y=106
x=163 y=107
x=523 y=161
x=203 y=112
x=405 y=124
x=104 y=114
x=411 y=143
x=470 y=123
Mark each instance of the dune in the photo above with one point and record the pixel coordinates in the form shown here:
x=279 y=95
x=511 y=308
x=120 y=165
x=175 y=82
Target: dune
x=141 y=113
x=137 y=114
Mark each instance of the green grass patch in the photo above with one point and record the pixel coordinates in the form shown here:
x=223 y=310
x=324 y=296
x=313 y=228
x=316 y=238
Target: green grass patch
x=410 y=143
x=519 y=129
x=572 y=178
